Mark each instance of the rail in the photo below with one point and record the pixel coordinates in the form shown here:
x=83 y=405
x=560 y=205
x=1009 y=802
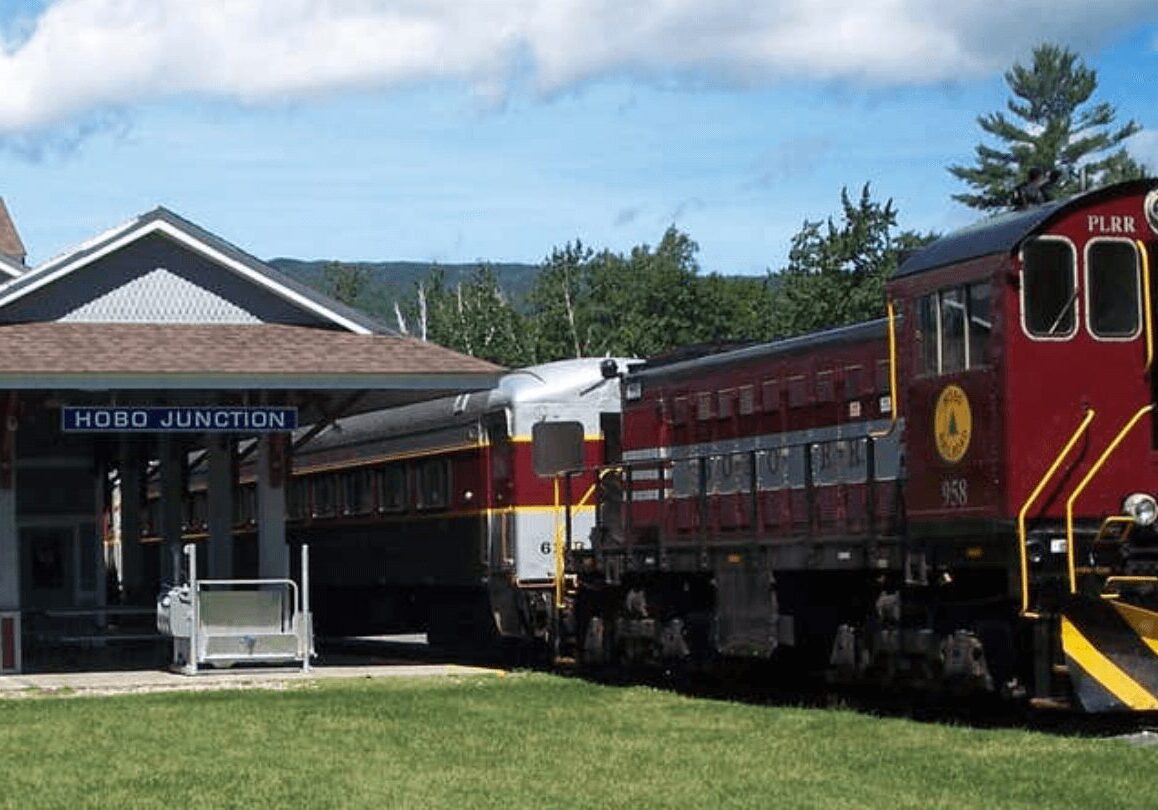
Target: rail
x=1023 y=543
x=1146 y=313
x=894 y=404
x=562 y=529
x=1080 y=488
x=873 y=470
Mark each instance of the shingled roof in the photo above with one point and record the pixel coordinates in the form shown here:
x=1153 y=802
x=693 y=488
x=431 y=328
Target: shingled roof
x=227 y=356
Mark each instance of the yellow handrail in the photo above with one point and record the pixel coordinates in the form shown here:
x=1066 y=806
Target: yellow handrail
x=1146 y=313
x=560 y=549
x=1021 y=534
x=894 y=404
x=1145 y=409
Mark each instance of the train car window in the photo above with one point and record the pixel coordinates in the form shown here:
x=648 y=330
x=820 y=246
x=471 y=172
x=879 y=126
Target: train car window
x=747 y=400
x=1049 y=288
x=704 y=406
x=298 y=498
x=952 y=330
x=770 y=395
x=325 y=492
x=391 y=484
x=433 y=484
x=245 y=505
x=556 y=447
x=980 y=324
x=928 y=347
x=826 y=387
x=727 y=398
x=1113 y=289
x=198 y=517
x=680 y=411
x=853 y=382
x=798 y=394
x=358 y=492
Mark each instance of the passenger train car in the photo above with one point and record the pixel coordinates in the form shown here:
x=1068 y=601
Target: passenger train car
x=959 y=497
x=443 y=516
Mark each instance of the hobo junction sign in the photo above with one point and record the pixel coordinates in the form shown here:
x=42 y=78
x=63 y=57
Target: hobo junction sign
x=197 y=419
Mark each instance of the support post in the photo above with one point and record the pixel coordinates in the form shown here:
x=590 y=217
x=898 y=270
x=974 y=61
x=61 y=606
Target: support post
x=272 y=467
x=221 y=484
x=172 y=506
x=11 y=642
x=9 y=537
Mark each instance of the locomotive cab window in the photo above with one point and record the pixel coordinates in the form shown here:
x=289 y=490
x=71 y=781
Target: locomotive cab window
x=1049 y=289
x=953 y=327
x=1112 y=288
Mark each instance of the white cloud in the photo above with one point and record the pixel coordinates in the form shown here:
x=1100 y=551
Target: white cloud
x=1143 y=147
x=83 y=55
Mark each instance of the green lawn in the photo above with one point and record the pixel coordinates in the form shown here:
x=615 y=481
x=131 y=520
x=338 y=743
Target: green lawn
x=532 y=741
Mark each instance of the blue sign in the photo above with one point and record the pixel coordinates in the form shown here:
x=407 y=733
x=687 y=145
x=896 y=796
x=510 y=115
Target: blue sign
x=207 y=419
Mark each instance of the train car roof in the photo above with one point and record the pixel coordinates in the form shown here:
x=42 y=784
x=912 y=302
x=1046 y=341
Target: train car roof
x=548 y=382
x=1003 y=233
x=829 y=338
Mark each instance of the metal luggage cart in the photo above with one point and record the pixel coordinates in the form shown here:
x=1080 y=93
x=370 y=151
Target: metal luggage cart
x=222 y=622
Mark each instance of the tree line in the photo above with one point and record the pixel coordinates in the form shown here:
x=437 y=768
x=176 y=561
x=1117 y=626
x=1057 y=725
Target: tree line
x=586 y=302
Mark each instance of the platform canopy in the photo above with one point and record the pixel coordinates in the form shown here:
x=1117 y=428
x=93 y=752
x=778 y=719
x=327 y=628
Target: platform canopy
x=161 y=305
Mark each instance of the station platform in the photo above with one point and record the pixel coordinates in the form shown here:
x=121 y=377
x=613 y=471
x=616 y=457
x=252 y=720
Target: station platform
x=145 y=681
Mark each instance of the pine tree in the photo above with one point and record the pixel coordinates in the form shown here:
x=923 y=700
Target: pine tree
x=1054 y=128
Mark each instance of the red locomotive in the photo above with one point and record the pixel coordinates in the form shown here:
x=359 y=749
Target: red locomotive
x=961 y=496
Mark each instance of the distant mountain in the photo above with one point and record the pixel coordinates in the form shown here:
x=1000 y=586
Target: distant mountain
x=395 y=281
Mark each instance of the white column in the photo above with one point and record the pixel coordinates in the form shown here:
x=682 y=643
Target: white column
x=272 y=470
x=221 y=483
x=132 y=572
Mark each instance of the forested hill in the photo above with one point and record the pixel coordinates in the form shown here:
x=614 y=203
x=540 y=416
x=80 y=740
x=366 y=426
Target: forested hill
x=388 y=282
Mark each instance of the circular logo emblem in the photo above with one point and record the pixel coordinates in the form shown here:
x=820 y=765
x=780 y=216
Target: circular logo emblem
x=1150 y=206
x=952 y=424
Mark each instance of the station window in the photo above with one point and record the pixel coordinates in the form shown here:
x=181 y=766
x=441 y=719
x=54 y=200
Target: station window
x=391 y=481
x=1113 y=289
x=1049 y=288
x=953 y=328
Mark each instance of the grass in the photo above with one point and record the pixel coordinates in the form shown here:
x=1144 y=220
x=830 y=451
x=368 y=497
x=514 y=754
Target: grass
x=532 y=741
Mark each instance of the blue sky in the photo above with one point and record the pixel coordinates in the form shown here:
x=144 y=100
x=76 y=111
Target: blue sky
x=497 y=129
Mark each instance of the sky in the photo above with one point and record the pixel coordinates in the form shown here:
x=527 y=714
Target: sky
x=496 y=130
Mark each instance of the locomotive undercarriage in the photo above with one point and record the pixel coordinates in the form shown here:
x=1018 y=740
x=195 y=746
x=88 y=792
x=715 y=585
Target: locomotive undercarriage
x=847 y=610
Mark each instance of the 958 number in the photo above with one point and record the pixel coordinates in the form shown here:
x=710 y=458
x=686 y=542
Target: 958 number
x=955 y=492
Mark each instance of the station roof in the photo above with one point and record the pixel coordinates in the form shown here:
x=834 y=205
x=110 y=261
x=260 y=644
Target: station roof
x=222 y=256
x=159 y=304
x=228 y=357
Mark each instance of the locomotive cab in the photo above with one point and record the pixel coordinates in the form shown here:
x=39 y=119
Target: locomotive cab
x=1032 y=445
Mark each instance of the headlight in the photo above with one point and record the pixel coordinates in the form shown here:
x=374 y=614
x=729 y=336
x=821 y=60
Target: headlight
x=1142 y=507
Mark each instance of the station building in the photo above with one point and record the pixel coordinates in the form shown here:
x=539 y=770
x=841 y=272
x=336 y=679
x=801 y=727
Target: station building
x=151 y=355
